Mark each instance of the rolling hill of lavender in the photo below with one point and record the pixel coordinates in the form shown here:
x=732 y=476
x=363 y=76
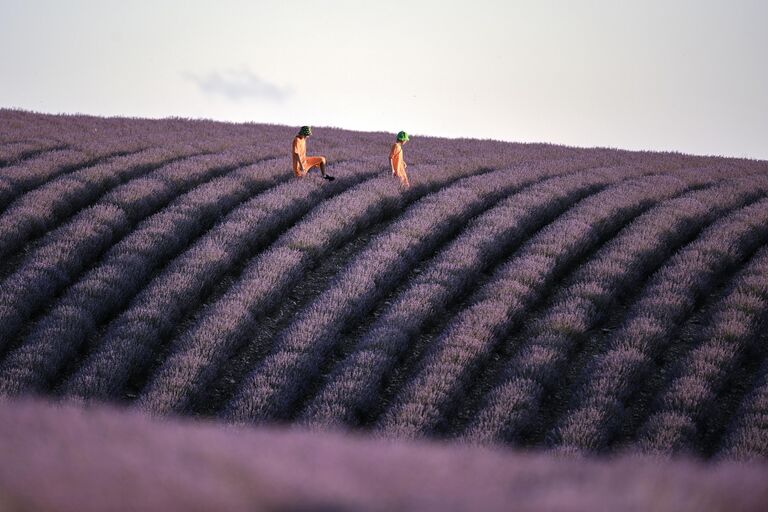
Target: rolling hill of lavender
x=576 y=301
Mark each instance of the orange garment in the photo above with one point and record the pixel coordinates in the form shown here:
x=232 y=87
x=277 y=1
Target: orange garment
x=300 y=158
x=398 y=164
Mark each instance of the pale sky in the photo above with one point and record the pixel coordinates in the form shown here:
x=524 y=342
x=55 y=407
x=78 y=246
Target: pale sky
x=687 y=75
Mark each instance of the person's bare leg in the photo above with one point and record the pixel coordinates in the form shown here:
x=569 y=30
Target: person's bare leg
x=322 y=170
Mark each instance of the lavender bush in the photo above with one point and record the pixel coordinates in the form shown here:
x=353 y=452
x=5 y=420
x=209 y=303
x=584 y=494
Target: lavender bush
x=99 y=459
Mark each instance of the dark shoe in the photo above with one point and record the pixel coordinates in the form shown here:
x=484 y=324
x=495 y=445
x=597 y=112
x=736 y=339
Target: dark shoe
x=329 y=178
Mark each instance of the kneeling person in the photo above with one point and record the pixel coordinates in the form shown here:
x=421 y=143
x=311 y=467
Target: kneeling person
x=303 y=163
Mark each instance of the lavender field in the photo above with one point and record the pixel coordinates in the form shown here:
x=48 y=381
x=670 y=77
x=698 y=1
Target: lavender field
x=575 y=301
x=579 y=300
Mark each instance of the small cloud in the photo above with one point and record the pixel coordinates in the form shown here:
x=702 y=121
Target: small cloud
x=238 y=85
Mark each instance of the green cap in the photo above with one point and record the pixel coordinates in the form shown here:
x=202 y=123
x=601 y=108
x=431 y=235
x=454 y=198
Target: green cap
x=305 y=130
x=403 y=137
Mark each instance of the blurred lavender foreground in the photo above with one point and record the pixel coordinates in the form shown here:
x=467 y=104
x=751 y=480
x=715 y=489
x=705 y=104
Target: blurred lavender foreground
x=64 y=458
x=579 y=302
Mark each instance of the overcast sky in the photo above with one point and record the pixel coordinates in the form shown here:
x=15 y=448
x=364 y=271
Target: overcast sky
x=688 y=75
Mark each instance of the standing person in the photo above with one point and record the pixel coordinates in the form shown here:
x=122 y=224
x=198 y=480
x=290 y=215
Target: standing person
x=396 y=160
x=303 y=163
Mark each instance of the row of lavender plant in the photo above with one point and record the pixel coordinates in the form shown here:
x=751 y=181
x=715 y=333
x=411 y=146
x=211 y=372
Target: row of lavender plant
x=550 y=338
x=65 y=252
x=299 y=352
x=38 y=211
x=19 y=178
x=27 y=175
x=747 y=434
x=225 y=324
x=12 y=147
x=131 y=340
x=14 y=152
x=465 y=345
x=124 y=270
x=353 y=387
x=608 y=384
x=678 y=420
